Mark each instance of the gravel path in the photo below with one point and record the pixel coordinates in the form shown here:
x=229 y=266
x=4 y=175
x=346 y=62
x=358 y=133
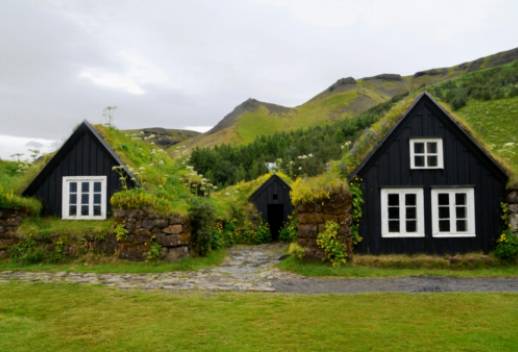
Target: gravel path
x=252 y=268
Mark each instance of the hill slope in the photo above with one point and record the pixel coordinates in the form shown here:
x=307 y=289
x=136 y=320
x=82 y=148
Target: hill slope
x=345 y=98
x=164 y=137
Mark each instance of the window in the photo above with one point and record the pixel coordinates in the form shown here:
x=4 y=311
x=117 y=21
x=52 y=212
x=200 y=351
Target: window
x=84 y=197
x=426 y=153
x=453 y=212
x=402 y=213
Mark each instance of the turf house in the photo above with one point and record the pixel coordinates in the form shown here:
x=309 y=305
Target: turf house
x=79 y=180
x=429 y=187
x=272 y=199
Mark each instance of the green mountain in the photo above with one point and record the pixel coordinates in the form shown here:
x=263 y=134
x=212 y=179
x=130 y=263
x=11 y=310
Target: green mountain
x=164 y=137
x=344 y=99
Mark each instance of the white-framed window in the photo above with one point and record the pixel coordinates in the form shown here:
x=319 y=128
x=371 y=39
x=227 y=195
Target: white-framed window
x=402 y=212
x=453 y=212
x=426 y=153
x=84 y=197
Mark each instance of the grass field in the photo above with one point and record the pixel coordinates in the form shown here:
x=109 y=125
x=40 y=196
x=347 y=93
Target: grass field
x=359 y=271
x=108 y=265
x=44 y=317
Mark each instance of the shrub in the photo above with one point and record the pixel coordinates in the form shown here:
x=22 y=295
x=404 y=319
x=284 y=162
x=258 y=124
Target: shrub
x=288 y=233
x=507 y=246
x=262 y=234
x=121 y=232
x=296 y=250
x=334 y=250
x=27 y=252
x=154 y=252
x=201 y=214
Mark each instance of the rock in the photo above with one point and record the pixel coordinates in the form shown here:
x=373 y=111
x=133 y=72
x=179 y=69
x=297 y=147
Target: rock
x=513 y=208
x=160 y=222
x=174 y=254
x=173 y=229
x=513 y=222
x=512 y=197
x=167 y=240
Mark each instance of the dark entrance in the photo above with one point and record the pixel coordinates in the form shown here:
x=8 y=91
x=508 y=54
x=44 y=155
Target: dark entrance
x=275 y=219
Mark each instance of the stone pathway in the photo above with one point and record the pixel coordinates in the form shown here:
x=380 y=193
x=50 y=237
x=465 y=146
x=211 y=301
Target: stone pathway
x=252 y=268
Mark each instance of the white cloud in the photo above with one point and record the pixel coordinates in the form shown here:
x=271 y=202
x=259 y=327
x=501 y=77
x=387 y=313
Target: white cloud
x=201 y=129
x=12 y=145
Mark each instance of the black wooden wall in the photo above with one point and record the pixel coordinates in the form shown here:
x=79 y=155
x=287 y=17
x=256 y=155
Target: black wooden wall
x=464 y=165
x=81 y=155
x=266 y=195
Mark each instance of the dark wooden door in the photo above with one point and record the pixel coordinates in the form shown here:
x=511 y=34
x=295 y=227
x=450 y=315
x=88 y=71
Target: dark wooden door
x=275 y=219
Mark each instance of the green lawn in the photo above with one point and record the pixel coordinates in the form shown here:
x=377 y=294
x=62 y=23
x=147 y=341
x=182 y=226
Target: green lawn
x=359 y=271
x=44 y=317
x=104 y=265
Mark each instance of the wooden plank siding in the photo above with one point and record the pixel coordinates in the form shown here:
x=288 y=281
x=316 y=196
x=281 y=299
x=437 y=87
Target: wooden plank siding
x=264 y=196
x=465 y=164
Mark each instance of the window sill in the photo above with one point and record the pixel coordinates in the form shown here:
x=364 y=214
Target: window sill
x=454 y=235
x=403 y=235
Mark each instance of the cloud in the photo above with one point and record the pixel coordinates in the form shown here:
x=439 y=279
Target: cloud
x=174 y=64
x=12 y=147
x=201 y=129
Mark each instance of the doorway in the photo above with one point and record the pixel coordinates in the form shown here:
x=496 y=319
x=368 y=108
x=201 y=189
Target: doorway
x=275 y=219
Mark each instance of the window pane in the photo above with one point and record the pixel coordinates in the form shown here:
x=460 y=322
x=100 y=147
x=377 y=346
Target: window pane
x=419 y=147
x=431 y=147
x=410 y=199
x=97 y=186
x=444 y=225
x=393 y=226
x=444 y=212
x=460 y=198
x=73 y=199
x=97 y=210
x=460 y=212
x=72 y=186
x=84 y=198
x=84 y=210
x=394 y=213
x=97 y=199
x=85 y=186
x=393 y=199
x=444 y=199
x=72 y=210
x=410 y=213
x=419 y=161
x=462 y=226
x=432 y=161
x=411 y=226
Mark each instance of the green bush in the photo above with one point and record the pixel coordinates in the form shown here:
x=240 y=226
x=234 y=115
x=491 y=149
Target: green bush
x=154 y=252
x=296 y=250
x=262 y=234
x=334 y=250
x=507 y=246
x=288 y=232
x=202 y=218
x=27 y=252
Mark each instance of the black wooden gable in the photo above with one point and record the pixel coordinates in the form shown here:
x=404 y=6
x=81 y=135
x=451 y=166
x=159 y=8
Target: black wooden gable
x=84 y=153
x=450 y=122
x=274 y=179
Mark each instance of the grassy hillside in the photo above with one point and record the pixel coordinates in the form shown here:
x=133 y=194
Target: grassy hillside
x=344 y=99
x=163 y=137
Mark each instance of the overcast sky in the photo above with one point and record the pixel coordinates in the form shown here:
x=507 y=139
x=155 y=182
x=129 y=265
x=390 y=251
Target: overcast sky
x=188 y=63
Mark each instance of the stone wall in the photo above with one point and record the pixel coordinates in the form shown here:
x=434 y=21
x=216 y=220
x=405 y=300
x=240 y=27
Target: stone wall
x=10 y=219
x=172 y=233
x=312 y=216
x=512 y=200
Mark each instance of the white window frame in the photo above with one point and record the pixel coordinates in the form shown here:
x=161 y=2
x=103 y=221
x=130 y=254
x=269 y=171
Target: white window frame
x=425 y=154
x=66 y=197
x=420 y=230
x=470 y=213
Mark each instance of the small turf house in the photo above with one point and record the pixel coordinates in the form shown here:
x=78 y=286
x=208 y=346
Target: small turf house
x=272 y=200
x=79 y=180
x=429 y=187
